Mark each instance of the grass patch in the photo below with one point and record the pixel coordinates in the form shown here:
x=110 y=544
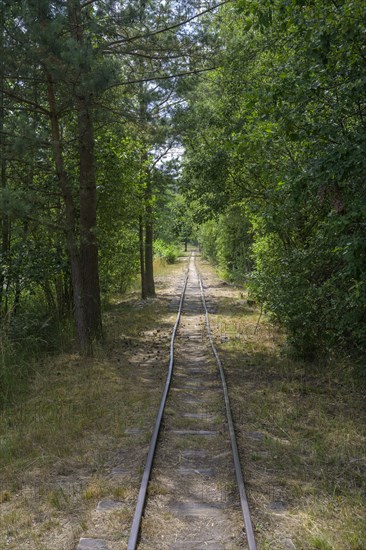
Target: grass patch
x=301 y=430
x=25 y=340
x=79 y=420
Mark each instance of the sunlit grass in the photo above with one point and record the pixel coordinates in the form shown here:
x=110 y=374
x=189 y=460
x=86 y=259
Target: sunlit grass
x=301 y=430
x=80 y=418
x=60 y=441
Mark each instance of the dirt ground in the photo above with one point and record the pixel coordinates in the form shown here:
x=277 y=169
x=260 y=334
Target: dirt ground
x=193 y=502
x=72 y=453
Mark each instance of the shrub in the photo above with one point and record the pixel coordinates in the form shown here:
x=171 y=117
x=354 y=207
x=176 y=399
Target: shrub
x=167 y=252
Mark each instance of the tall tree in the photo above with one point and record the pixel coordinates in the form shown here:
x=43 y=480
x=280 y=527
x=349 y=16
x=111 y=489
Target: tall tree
x=4 y=209
x=171 y=42
x=84 y=92
x=57 y=40
x=62 y=63
x=280 y=132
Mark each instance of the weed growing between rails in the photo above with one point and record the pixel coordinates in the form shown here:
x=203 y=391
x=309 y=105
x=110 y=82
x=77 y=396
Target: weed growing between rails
x=80 y=434
x=301 y=431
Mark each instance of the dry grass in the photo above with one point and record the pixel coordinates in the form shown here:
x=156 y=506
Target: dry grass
x=82 y=419
x=302 y=432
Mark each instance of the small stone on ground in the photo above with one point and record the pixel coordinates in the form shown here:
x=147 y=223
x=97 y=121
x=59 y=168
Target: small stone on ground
x=108 y=504
x=92 y=544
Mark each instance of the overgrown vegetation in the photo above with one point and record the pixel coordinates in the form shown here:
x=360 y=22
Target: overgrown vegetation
x=301 y=431
x=265 y=102
x=273 y=142
x=278 y=135
x=79 y=420
x=168 y=252
x=226 y=241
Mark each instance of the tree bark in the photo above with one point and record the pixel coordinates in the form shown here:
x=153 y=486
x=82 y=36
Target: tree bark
x=16 y=303
x=142 y=258
x=5 y=222
x=149 y=237
x=88 y=194
x=60 y=296
x=5 y=227
x=88 y=222
x=79 y=311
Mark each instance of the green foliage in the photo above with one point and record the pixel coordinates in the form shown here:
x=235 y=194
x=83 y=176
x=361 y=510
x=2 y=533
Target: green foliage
x=118 y=195
x=234 y=244
x=275 y=154
x=167 y=252
x=207 y=240
x=226 y=241
x=280 y=132
x=174 y=218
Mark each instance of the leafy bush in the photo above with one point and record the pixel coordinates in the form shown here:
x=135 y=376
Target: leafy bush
x=280 y=134
x=167 y=252
x=226 y=241
x=207 y=240
x=314 y=291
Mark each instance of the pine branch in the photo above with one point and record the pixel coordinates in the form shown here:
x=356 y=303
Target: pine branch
x=166 y=29
x=167 y=77
x=162 y=155
x=87 y=3
x=158 y=111
x=36 y=106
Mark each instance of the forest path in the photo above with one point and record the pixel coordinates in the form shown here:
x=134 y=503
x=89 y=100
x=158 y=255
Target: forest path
x=193 y=500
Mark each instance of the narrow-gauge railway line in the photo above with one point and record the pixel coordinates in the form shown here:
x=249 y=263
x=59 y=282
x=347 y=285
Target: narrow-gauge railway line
x=196 y=490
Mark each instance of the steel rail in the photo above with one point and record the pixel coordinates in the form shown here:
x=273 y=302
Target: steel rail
x=234 y=447
x=135 y=528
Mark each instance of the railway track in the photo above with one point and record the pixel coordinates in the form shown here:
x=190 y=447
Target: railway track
x=195 y=492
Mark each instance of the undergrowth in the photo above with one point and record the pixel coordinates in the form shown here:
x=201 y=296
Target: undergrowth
x=301 y=428
x=31 y=336
x=71 y=420
x=167 y=252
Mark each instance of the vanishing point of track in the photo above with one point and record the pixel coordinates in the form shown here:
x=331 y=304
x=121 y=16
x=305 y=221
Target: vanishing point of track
x=192 y=388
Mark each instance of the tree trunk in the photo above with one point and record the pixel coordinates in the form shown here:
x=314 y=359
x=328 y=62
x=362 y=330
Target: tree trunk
x=5 y=228
x=88 y=222
x=149 y=263
x=63 y=292
x=68 y=291
x=77 y=286
x=142 y=259
x=149 y=257
x=60 y=296
x=16 y=303
x=49 y=297
x=88 y=193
